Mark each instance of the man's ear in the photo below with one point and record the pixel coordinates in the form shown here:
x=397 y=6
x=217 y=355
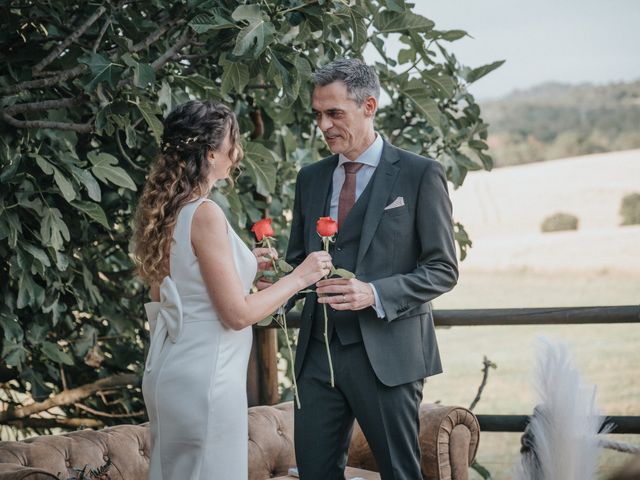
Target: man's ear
x=370 y=106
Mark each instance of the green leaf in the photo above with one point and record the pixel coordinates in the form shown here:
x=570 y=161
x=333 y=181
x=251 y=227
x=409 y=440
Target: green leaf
x=37 y=253
x=53 y=230
x=29 y=292
x=261 y=165
x=11 y=328
x=39 y=389
x=452 y=35
x=85 y=341
x=283 y=266
x=66 y=187
x=203 y=23
x=55 y=353
x=259 y=33
x=482 y=471
x=407 y=55
x=359 y=29
x=250 y=13
x=94 y=211
x=266 y=322
x=149 y=115
x=341 y=272
x=143 y=75
x=12 y=228
x=419 y=96
x=44 y=165
x=102 y=69
x=466 y=162
x=443 y=83
x=396 y=5
x=388 y=21
x=235 y=77
x=89 y=181
x=37 y=333
x=478 y=73
x=14 y=354
x=106 y=169
x=90 y=287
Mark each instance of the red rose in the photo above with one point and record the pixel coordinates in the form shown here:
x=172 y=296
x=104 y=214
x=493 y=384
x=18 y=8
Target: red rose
x=326 y=227
x=262 y=228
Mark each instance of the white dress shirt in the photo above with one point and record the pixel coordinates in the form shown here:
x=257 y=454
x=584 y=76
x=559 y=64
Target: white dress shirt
x=370 y=158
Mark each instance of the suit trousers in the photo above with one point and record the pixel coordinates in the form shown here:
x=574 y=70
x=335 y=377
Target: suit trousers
x=388 y=416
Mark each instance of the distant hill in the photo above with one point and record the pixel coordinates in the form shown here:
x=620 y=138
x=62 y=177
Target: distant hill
x=556 y=120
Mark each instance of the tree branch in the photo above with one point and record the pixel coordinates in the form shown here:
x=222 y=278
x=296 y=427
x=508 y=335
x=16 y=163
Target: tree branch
x=68 y=41
x=153 y=37
x=486 y=365
x=172 y=51
x=98 y=413
x=44 y=82
x=124 y=154
x=103 y=30
x=61 y=422
x=73 y=127
x=69 y=397
x=45 y=105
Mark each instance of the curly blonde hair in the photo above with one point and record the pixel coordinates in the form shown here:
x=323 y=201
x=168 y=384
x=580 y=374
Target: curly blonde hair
x=179 y=175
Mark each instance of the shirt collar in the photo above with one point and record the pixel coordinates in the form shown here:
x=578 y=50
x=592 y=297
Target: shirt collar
x=371 y=156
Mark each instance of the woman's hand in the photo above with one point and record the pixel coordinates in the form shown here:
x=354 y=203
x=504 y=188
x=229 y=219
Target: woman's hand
x=316 y=266
x=263 y=256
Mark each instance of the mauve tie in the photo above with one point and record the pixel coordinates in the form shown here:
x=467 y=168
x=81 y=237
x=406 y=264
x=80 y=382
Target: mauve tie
x=348 y=192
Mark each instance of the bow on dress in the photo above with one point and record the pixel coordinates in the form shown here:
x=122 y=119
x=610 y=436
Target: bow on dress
x=165 y=319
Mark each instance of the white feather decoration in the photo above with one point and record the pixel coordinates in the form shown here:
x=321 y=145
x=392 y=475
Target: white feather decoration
x=564 y=427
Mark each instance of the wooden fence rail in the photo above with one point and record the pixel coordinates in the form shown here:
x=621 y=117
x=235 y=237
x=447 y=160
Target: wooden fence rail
x=263 y=380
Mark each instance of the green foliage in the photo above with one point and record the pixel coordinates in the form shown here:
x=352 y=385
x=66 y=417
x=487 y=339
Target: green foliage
x=630 y=209
x=559 y=222
x=558 y=121
x=83 y=91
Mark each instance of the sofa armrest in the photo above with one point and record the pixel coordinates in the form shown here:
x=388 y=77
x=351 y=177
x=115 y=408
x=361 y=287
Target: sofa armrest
x=449 y=439
x=19 y=472
x=125 y=446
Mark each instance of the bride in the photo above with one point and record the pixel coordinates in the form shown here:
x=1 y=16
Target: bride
x=200 y=274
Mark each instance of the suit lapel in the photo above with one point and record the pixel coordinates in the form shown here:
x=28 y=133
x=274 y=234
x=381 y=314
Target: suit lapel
x=383 y=181
x=321 y=183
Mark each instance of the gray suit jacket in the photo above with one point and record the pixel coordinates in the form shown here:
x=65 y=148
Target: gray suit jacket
x=407 y=253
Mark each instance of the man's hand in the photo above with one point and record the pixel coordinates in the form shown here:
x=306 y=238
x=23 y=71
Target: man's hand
x=345 y=294
x=263 y=256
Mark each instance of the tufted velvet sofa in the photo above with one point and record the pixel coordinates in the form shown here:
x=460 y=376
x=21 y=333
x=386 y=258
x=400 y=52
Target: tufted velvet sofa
x=449 y=441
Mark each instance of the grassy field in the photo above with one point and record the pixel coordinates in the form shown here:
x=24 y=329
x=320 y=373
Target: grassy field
x=513 y=264
x=607 y=355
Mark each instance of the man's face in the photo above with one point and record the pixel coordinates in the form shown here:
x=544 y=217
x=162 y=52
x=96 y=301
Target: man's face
x=347 y=128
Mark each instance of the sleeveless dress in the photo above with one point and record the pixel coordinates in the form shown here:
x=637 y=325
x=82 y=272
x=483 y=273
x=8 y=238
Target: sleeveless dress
x=195 y=378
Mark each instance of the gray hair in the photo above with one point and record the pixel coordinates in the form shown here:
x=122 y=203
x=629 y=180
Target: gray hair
x=360 y=79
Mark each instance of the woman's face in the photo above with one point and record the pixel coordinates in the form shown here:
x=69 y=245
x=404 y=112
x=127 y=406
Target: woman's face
x=223 y=159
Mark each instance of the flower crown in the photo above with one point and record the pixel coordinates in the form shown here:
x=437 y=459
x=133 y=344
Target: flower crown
x=179 y=144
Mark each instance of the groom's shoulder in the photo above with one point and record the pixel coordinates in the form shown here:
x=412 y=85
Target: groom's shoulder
x=414 y=161
x=317 y=167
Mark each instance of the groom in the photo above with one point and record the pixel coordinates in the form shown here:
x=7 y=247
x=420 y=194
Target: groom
x=395 y=233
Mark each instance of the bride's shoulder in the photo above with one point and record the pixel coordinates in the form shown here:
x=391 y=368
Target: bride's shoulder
x=208 y=216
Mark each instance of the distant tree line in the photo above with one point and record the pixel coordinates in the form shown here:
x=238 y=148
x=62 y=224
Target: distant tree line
x=556 y=121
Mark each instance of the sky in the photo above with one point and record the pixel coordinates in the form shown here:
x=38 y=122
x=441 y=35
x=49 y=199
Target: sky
x=569 y=41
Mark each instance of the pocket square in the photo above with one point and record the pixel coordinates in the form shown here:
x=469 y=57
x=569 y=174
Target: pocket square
x=398 y=202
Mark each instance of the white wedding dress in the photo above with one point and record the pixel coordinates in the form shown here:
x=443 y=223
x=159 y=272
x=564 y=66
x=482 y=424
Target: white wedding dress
x=194 y=384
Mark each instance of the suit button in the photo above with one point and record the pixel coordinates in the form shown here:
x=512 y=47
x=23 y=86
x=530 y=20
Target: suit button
x=339 y=249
